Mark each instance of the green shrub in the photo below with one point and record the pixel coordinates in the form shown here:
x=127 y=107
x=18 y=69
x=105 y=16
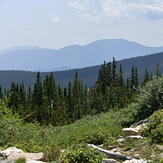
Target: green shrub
x=29 y=146
x=51 y=153
x=20 y=160
x=154 y=128
x=95 y=137
x=150 y=98
x=82 y=154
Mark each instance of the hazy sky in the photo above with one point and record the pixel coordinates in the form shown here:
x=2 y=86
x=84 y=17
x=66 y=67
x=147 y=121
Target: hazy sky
x=58 y=23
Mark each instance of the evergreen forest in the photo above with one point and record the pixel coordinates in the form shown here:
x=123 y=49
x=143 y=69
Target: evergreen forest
x=51 y=104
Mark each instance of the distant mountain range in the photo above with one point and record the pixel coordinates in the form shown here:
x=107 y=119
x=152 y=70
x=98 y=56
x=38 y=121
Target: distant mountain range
x=88 y=75
x=33 y=58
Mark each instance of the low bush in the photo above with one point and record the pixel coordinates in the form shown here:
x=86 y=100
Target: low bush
x=82 y=154
x=154 y=128
x=51 y=153
x=20 y=160
x=95 y=137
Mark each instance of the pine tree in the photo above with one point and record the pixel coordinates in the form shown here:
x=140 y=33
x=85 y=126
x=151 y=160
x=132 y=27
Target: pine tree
x=22 y=94
x=37 y=99
x=120 y=80
x=157 y=73
x=114 y=74
x=76 y=97
x=102 y=78
x=38 y=91
x=1 y=92
x=132 y=78
x=14 y=97
x=136 y=78
x=29 y=94
x=108 y=74
x=146 y=76
x=50 y=93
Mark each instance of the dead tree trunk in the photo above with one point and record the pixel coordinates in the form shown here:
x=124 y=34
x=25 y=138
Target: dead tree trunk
x=110 y=154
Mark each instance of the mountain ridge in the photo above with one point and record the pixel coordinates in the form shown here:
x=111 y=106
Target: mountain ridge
x=88 y=75
x=73 y=56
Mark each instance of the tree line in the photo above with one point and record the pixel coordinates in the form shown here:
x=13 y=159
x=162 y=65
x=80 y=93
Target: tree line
x=51 y=104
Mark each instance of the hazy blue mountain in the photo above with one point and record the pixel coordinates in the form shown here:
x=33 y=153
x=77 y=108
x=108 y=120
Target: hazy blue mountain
x=88 y=75
x=70 y=57
x=14 y=48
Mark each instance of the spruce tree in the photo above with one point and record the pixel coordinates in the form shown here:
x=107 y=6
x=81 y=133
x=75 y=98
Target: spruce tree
x=14 y=97
x=1 y=92
x=37 y=99
x=38 y=91
x=146 y=76
x=120 y=80
x=157 y=73
x=114 y=74
x=132 y=78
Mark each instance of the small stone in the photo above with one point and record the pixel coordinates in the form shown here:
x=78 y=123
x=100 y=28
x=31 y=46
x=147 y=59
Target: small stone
x=109 y=161
x=159 y=147
x=137 y=156
x=161 y=155
x=135 y=161
x=34 y=162
x=152 y=156
x=136 y=137
x=120 y=140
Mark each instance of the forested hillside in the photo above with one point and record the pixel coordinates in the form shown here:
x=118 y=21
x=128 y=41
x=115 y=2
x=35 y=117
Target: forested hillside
x=88 y=75
x=50 y=103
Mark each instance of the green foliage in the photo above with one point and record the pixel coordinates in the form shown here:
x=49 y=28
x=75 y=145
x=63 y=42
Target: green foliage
x=28 y=146
x=82 y=154
x=150 y=99
x=154 y=128
x=94 y=137
x=51 y=153
x=110 y=90
x=20 y=160
x=49 y=104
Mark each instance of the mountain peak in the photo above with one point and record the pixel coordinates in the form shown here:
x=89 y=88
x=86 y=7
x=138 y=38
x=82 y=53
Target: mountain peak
x=14 y=48
x=75 y=56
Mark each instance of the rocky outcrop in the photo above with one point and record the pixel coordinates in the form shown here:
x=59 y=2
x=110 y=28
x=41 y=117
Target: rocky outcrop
x=133 y=130
x=135 y=161
x=129 y=133
x=13 y=153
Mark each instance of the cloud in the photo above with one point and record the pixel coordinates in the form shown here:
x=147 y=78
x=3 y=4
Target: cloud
x=77 y=5
x=111 y=10
x=151 y=9
x=55 y=19
x=90 y=18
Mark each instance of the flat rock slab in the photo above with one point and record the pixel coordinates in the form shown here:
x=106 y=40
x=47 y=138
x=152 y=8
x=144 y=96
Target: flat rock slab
x=135 y=161
x=130 y=131
x=14 y=153
x=34 y=162
x=109 y=161
x=9 y=151
x=136 y=137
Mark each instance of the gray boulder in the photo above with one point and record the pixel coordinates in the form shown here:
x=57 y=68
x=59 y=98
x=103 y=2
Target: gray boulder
x=13 y=153
x=109 y=161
